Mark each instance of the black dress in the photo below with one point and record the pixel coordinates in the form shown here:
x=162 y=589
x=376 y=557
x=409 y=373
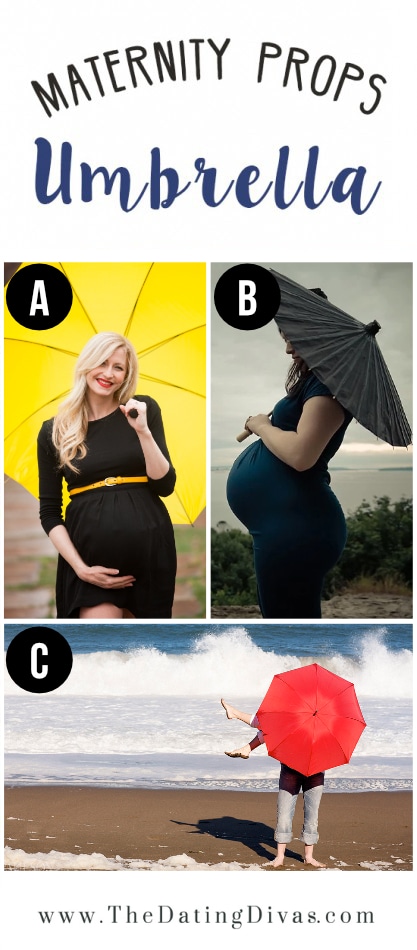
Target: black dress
x=124 y=526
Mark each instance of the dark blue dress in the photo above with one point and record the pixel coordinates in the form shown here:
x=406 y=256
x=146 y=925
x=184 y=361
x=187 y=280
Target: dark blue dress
x=296 y=522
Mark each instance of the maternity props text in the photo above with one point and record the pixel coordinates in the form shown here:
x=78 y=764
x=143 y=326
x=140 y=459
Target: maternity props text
x=157 y=185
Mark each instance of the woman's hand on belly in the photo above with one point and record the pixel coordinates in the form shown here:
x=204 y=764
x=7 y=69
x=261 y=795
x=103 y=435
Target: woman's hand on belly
x=107 y=577
x=255 y=423
x=100 y=576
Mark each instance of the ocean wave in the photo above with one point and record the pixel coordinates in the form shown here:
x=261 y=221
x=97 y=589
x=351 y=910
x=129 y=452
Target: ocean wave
x=230 y=662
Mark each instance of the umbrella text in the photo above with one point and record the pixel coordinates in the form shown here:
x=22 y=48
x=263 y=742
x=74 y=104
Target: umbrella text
x=163 y=185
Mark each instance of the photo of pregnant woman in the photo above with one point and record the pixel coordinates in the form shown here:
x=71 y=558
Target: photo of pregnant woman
x=339 y=398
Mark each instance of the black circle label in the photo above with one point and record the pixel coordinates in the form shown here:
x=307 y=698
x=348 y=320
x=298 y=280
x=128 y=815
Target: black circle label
x=247 y=296
x=39 y=296
x=39 y=659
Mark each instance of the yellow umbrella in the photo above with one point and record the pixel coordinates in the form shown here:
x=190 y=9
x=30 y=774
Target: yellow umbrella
x=161 y=309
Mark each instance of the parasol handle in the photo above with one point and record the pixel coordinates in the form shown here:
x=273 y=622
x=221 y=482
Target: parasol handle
x=246 y=432
x=243 y=435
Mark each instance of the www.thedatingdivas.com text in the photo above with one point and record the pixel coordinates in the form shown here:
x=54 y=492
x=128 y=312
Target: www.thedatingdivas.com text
x=166 y=914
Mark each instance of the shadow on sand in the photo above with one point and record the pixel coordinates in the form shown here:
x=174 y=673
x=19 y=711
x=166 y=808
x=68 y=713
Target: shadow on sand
x=253 y=834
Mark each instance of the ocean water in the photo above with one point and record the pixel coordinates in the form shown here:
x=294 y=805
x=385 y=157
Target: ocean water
x=141 y=707
x=352 y=486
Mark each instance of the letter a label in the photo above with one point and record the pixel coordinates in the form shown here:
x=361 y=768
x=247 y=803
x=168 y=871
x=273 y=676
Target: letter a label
x=39 y=296
x=39 y=301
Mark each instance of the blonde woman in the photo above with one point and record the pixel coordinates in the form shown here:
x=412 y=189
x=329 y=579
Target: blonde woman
x=116 y=545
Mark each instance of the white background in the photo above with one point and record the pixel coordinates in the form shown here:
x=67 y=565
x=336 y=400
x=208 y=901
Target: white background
x=232 y=123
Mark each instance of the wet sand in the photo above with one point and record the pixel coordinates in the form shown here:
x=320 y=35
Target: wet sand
x=358 y=831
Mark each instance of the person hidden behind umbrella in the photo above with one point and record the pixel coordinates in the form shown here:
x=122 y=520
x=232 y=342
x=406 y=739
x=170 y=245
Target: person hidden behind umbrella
x=116 y=545
x=291 y=783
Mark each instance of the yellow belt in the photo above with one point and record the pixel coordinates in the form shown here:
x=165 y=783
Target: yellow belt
x=109 y=482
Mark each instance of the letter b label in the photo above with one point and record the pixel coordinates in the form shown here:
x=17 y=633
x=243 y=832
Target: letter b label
x=247 y=296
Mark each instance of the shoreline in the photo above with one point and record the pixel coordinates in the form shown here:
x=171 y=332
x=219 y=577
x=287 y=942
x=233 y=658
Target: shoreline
x=358 y=831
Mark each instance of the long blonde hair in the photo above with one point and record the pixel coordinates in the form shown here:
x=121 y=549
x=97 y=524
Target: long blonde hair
x=71 y=421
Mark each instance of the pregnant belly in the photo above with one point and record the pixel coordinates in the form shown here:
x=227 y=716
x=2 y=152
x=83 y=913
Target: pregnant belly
x=117 y=530
x=257 y=481
x=265 y=494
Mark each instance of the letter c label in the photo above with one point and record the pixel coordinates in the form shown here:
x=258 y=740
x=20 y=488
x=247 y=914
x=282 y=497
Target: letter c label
x=37 y=670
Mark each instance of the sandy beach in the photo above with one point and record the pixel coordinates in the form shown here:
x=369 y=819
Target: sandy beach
x=358 y=831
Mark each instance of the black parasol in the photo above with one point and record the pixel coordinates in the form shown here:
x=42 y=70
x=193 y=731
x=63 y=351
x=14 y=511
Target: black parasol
x=344 y=355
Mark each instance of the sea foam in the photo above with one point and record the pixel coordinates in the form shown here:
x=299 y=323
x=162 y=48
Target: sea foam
x=229 y=662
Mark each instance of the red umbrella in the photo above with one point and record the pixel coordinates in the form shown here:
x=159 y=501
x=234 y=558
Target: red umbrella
x=311 y=719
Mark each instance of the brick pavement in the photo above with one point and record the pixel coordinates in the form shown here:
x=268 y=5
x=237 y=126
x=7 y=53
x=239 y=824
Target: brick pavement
x=30 y=558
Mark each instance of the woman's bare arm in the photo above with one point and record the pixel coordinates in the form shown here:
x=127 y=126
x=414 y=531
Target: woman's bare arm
x=321 y=417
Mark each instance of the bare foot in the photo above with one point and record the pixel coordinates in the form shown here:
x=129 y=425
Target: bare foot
x=230 y=710
x=276 y=863
x=242 y=753
x=308 y=857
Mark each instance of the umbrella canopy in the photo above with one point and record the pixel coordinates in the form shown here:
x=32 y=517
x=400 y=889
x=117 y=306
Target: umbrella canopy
x=160 y=308
x=311 y=719
x=344 y=355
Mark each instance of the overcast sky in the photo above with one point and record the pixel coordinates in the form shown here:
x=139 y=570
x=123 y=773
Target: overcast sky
x=249 y=368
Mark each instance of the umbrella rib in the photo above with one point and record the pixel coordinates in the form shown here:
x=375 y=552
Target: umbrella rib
x=47 y=346
x=336 y=695
x=183 y=507
x=129 y=322
x=164 y=382
x=32 y=414
x=169 y=339
x=162 y=342
x=79 y=299
x=335 y=738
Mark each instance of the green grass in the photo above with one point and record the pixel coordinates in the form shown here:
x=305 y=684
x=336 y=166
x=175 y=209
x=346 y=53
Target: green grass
x=190 y=540
x=46 y=576
x=47 y=573
x=199 y=589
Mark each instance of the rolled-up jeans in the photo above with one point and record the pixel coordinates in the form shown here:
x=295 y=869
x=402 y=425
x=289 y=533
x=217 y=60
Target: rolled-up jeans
x=290 y=784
